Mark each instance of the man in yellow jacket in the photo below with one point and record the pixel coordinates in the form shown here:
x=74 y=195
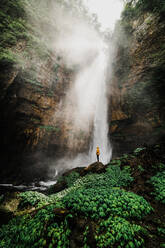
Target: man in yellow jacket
x=97 y=153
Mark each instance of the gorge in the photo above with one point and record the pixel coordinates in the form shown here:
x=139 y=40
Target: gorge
x=68 y=85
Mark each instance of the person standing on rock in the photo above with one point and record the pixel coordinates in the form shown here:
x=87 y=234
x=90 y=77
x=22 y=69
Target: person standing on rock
x=97 y=153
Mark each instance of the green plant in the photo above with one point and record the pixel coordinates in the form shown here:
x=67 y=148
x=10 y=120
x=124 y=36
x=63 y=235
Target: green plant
x=159 y=166
x=7 y=57
x=115 y=162
x=50 y=128
x=113 y=176
x=118 y=177
x=116 y=230
x=100 y=202
x=32 y=198
x=161 y=231
x=140 y=168
x=71 y=178
x=85 y=233
x=139 y=149
x=39 y=230
x=158 y=181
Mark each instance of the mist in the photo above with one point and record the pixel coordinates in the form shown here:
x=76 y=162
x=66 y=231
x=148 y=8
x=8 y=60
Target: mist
x=74 y=38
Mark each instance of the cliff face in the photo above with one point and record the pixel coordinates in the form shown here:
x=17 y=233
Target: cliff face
x=35 y=128
x=137 y=98
x=27 y=111
x=33 y=83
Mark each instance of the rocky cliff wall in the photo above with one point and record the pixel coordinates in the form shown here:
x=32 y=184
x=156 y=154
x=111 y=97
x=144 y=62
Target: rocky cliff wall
x=35 y=128
x=137 y=94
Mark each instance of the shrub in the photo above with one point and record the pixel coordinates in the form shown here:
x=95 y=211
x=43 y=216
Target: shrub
x=32 y=198
x=102 y=202
x=116 y=230
x=158 y=182
x=38 y=231
x=71 y=178
x=113 y=176
x=36 y=199
x=139 y=149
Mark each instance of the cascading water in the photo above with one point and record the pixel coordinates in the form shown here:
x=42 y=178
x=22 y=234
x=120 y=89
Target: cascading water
x=78 y=43
x=91 y=106
x=100 y=132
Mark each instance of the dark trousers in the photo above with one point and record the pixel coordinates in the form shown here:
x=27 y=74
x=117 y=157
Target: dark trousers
x=97 y=158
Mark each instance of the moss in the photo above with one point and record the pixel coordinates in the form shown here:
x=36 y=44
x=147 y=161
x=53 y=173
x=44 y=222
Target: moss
x=51 y=128
x=13 y=25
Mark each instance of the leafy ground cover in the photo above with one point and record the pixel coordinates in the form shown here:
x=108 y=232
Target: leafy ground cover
x=158 y=181
x=115 y=208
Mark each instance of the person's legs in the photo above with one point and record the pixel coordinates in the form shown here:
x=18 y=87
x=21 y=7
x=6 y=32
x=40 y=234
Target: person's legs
x=97 y=158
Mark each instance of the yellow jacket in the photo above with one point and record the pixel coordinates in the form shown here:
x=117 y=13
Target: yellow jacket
x=97 y=151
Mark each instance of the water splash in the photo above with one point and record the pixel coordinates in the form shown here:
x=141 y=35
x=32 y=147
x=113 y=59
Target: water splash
x=100 y=132
x=89 y=93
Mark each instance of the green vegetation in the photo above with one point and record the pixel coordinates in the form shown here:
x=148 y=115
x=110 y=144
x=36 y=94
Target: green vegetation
x=141 y=169
x=13 y=29
x=38 y=200
x=50 y=128
x=161 y=231
x=32 y=198
x=139 y=149
x=113 y=177
x=11 y=22
x=100 y=202
x=7 y=57
x=158 y=182
x=98 y=198
x=156 y=6
x=72 y=178
x=34 y=82
x=133 y=10
x=37 y=231
x=124 y=233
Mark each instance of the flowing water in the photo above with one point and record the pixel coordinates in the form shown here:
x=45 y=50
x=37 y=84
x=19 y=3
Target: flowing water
x=90 y=107
x=100 y=133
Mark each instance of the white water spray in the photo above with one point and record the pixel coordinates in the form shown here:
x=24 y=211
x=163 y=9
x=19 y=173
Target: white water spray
x=86 y=104
x=84 y=108
x=100 y=133
x=91 y=105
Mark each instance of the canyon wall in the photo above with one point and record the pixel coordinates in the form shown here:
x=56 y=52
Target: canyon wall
x=137 y=103
x=34 y=82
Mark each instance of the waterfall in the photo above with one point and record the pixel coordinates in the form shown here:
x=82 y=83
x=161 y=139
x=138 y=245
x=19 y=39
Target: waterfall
x=91 y=106
x=100 y=132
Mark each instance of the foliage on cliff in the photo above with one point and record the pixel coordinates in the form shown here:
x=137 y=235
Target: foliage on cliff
x=13 y=29
x=134 y=9
x=139 y=73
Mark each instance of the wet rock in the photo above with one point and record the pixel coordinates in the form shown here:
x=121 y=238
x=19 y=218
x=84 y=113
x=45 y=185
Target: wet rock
x=96 y=167
x=8 y=206
x=136 y=104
